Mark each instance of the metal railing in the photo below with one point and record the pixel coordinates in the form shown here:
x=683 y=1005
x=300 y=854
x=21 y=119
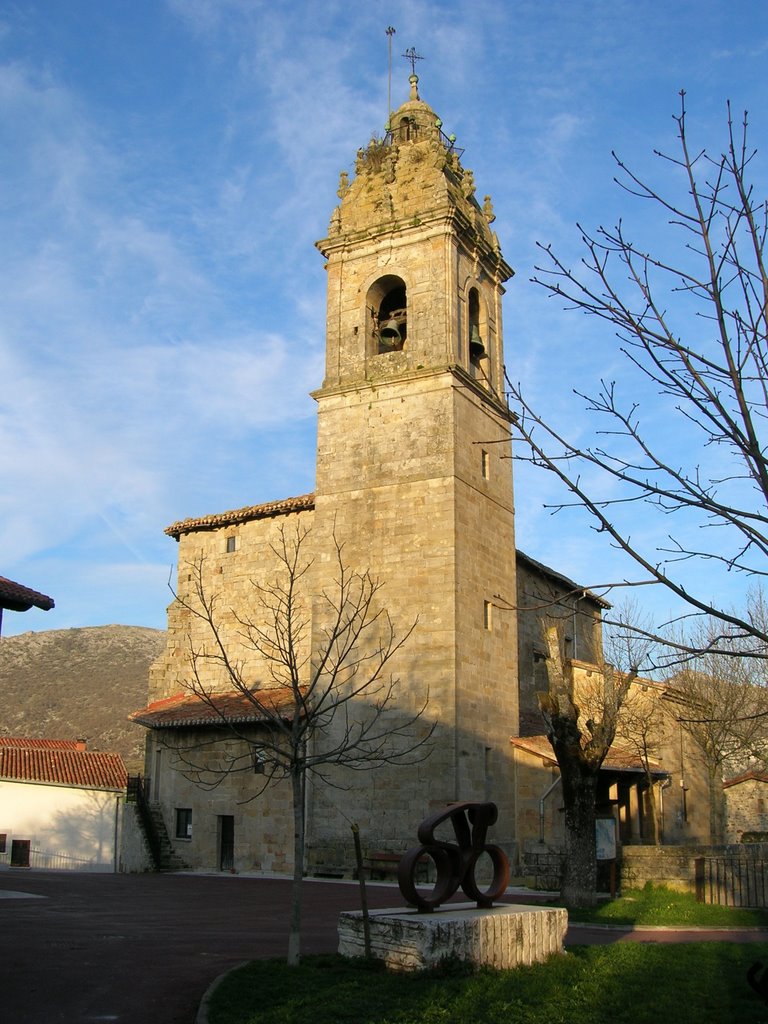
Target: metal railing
x=48 y=860
x=731 y=881
x=137 y=794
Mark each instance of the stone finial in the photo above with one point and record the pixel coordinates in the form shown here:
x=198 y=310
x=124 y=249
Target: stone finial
x=390 y=162
x=468 y=184
x=414 y=80
x=490 y=216
x=334 y=228
x=343 y=184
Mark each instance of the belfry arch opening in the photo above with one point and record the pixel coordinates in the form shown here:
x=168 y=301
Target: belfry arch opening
x=407 y=129
x=477 y=332
x=387 y=304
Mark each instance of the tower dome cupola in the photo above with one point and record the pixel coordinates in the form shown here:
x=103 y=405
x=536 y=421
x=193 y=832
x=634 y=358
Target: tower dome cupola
x=415 y=273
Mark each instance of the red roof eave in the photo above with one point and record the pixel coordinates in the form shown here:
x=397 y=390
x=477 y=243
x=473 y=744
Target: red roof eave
x=78 y=769
x=303 y=503
x=618 y=759
x=18 y=598
x=190 y=710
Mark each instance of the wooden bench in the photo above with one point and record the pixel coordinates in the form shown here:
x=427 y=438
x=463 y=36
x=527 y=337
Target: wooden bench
x=383 y=864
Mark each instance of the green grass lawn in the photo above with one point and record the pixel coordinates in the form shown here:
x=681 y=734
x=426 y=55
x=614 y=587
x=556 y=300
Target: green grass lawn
x=622 y=983
x=625 y=983
x=658 y=905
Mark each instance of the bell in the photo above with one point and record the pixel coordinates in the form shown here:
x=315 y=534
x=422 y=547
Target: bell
x=476 y=346
x=390 y=334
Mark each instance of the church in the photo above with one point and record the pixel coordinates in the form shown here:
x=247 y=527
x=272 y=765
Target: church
x=414 y=491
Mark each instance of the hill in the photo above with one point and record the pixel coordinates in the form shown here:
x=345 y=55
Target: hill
x=79 y=684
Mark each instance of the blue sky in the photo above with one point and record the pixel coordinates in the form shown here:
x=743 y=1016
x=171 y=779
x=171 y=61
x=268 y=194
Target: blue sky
x=165 y=168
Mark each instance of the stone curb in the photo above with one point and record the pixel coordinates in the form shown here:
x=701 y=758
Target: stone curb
x=668 y=927
x=202 y=1011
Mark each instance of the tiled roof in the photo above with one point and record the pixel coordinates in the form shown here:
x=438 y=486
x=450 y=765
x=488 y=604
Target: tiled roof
x=303 y=503
x=23 y=741
x=82 y=769
x=558 y=577
x=618 y=759
x=17 y=598
x=188 y=710
x=751 y=776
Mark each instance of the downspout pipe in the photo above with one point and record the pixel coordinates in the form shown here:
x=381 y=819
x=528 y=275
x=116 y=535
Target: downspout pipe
x=544 y=796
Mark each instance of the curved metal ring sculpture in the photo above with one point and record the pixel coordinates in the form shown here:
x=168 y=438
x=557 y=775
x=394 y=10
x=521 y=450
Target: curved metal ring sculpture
x=455 y=862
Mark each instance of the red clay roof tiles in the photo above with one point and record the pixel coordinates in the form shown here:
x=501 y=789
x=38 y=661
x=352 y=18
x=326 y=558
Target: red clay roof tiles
x=188 y=710
x=618 y=758
x=63 y=766
x=303 y=503
x=18 y=598
x=25 y=741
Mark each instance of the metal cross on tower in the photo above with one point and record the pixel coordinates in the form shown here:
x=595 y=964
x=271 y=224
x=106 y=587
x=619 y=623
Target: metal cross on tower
x=411 y=55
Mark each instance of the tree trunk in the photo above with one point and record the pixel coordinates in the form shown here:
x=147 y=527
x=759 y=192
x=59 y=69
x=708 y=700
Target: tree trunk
x=294 y=933
x=716 y=824
x=580 y=869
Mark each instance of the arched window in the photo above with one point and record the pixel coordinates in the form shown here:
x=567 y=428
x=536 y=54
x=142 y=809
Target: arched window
x=477 y=329
x=388 y=309
x=407 y=129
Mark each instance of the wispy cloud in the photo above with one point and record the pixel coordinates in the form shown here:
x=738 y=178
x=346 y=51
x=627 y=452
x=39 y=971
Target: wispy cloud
x=162 y=316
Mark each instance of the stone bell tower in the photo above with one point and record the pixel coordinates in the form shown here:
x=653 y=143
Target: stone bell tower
x=414 y=474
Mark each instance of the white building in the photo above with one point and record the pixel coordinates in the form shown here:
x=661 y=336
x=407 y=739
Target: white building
x=60 y=805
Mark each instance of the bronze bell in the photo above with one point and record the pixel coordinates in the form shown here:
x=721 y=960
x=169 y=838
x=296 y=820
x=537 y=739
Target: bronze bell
x=476 y=346
x=390 y=334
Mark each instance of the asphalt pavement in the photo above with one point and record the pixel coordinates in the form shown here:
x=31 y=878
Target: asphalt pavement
x=143 y=949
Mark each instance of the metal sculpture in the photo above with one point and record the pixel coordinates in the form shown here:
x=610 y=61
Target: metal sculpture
x=455 y=862
x=758 y=980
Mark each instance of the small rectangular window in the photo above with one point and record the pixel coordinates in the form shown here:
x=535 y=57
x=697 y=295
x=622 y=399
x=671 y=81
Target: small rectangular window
x=487 y=615
x=183 y=822
x=486 y=465
x=3 y=842
x=231 y=544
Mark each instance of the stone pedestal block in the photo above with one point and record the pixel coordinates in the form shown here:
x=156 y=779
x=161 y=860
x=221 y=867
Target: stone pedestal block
x=503 y=936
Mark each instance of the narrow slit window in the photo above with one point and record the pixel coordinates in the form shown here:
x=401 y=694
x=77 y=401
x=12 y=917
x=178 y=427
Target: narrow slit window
x=485 y=462
x=231 y=544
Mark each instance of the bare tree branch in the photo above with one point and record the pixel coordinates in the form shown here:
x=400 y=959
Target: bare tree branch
x=330 y=700
x=715 y=380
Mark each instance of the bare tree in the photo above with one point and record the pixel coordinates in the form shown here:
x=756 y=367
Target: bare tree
x=580 y=719
x=725 y=712
x=692 y=331
x=330 y=703
x=642 y=719
x=640 y=729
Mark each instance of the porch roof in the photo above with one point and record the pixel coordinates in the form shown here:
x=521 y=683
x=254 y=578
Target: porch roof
x=749 y=776
x=18 y=598
x=229 y=707
x=618 y=759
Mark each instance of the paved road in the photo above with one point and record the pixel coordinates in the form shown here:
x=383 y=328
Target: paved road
x=142 y=949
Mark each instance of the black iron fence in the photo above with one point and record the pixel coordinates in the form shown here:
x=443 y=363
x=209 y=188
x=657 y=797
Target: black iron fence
x=732 y=881
x=137 y=794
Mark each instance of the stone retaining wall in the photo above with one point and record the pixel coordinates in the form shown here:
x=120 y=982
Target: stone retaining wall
x=674 y=865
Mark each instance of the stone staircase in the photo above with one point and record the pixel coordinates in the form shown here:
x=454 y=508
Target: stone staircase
x=169 y=860
x=150 y=819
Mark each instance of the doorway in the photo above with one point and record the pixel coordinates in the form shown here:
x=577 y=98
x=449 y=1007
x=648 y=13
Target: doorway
x=226 y=842
x=20 y=849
